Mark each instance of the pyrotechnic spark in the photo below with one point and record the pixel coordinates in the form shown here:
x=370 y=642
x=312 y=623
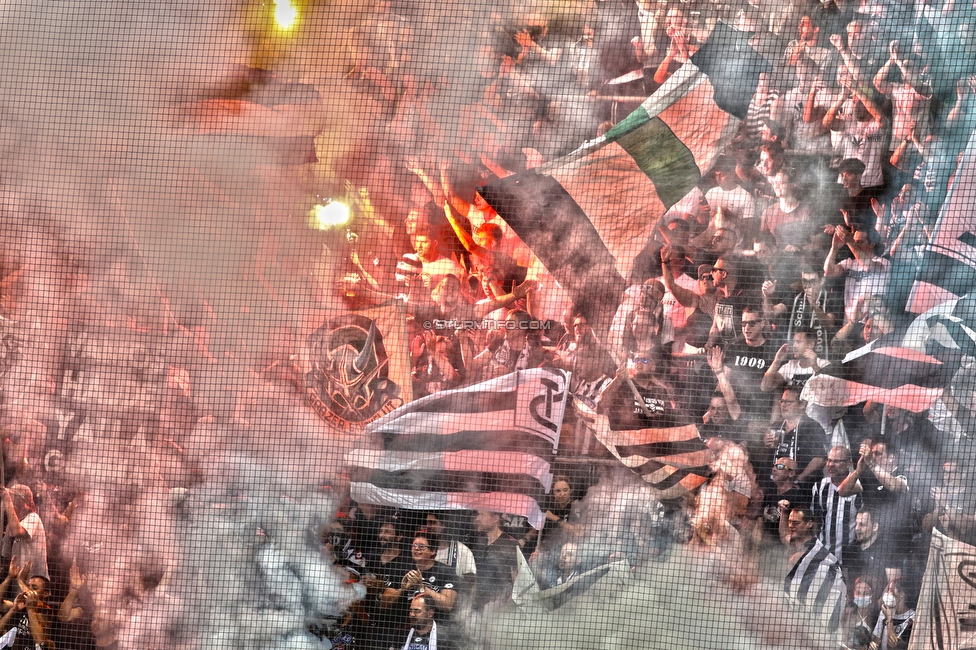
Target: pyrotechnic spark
x=285 y=14
x=329 y=215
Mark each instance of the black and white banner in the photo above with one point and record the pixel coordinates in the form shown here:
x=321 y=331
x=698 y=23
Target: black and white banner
x=484 y=447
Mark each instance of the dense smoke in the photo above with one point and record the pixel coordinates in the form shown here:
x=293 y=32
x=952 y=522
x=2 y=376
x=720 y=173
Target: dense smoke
x=156 y=278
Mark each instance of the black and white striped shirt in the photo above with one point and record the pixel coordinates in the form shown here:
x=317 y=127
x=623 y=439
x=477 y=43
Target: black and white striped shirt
x=816 y=584
x=838 y=515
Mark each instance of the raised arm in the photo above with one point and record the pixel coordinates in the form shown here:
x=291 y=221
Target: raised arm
x=684 y=297
x=716 y=362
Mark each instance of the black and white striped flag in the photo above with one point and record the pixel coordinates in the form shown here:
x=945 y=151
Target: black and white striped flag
x=673 y=460
x=484 y=447
x=884 y=371
x=816 y=584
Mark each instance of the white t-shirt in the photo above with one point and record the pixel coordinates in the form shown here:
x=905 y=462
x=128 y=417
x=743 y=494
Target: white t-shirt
x=465 y=559
x=737 y=201
x=863 y=281
x=866 y=142
x=792 y=369
x=33 y=547
x=672 y=308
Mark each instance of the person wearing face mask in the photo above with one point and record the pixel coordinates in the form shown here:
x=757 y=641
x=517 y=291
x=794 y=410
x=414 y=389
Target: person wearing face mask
x=894 y=626
x=863 y=609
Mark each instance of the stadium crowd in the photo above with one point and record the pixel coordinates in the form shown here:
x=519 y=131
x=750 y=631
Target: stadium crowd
x=798 y=246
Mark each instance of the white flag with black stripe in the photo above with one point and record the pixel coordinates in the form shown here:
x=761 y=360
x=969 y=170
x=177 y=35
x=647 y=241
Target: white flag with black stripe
x=816 y=584
x=484 y=447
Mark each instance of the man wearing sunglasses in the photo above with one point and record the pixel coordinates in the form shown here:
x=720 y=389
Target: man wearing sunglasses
x=799 y=438
x=780 y=493
x=747 y=359
x=734 y=291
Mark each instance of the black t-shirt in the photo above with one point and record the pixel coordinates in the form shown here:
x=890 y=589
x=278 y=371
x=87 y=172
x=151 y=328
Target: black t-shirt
x=393 y=571
x=422 y=641
x=797 y=496
x=495 y=564
x=747 y=364
x=893 y=510
x=389 y=622
x=625 y=413
x=728 y=315
x=872 y=561
x=804 y=443
x=437 y=578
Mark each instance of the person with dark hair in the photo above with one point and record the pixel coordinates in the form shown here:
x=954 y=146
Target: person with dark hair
x=422 y=575
x=872 y=555
x=495 y=553
x=424 y=632
x=817 y=306
x=858 y=638
x=737 y=205
x=885 y=488
x=435 y=265
x=798 y=527
x=862 y=130
x=30 y=615
x=856 y=200
x=815 y=581
x=794 y=364
x=866 y=273
x=450 y=551
x=733 y=293
x=561 y=518
x=384 y=570
x=862 y=612
x=428 y=576
x=518 y=348
x=747 y=359
x=894 y=627
x=789 y=219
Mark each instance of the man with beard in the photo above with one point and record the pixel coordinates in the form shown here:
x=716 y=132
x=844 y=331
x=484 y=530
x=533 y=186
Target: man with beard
x=837 y=512
x=884 y=488
x=780 y=493
x=872 y=553
x=424 y=632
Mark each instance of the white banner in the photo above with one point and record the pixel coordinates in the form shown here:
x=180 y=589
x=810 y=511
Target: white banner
x=945 y=618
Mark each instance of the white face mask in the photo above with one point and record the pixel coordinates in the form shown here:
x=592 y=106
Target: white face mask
x=888 y=599
x=862 y=601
